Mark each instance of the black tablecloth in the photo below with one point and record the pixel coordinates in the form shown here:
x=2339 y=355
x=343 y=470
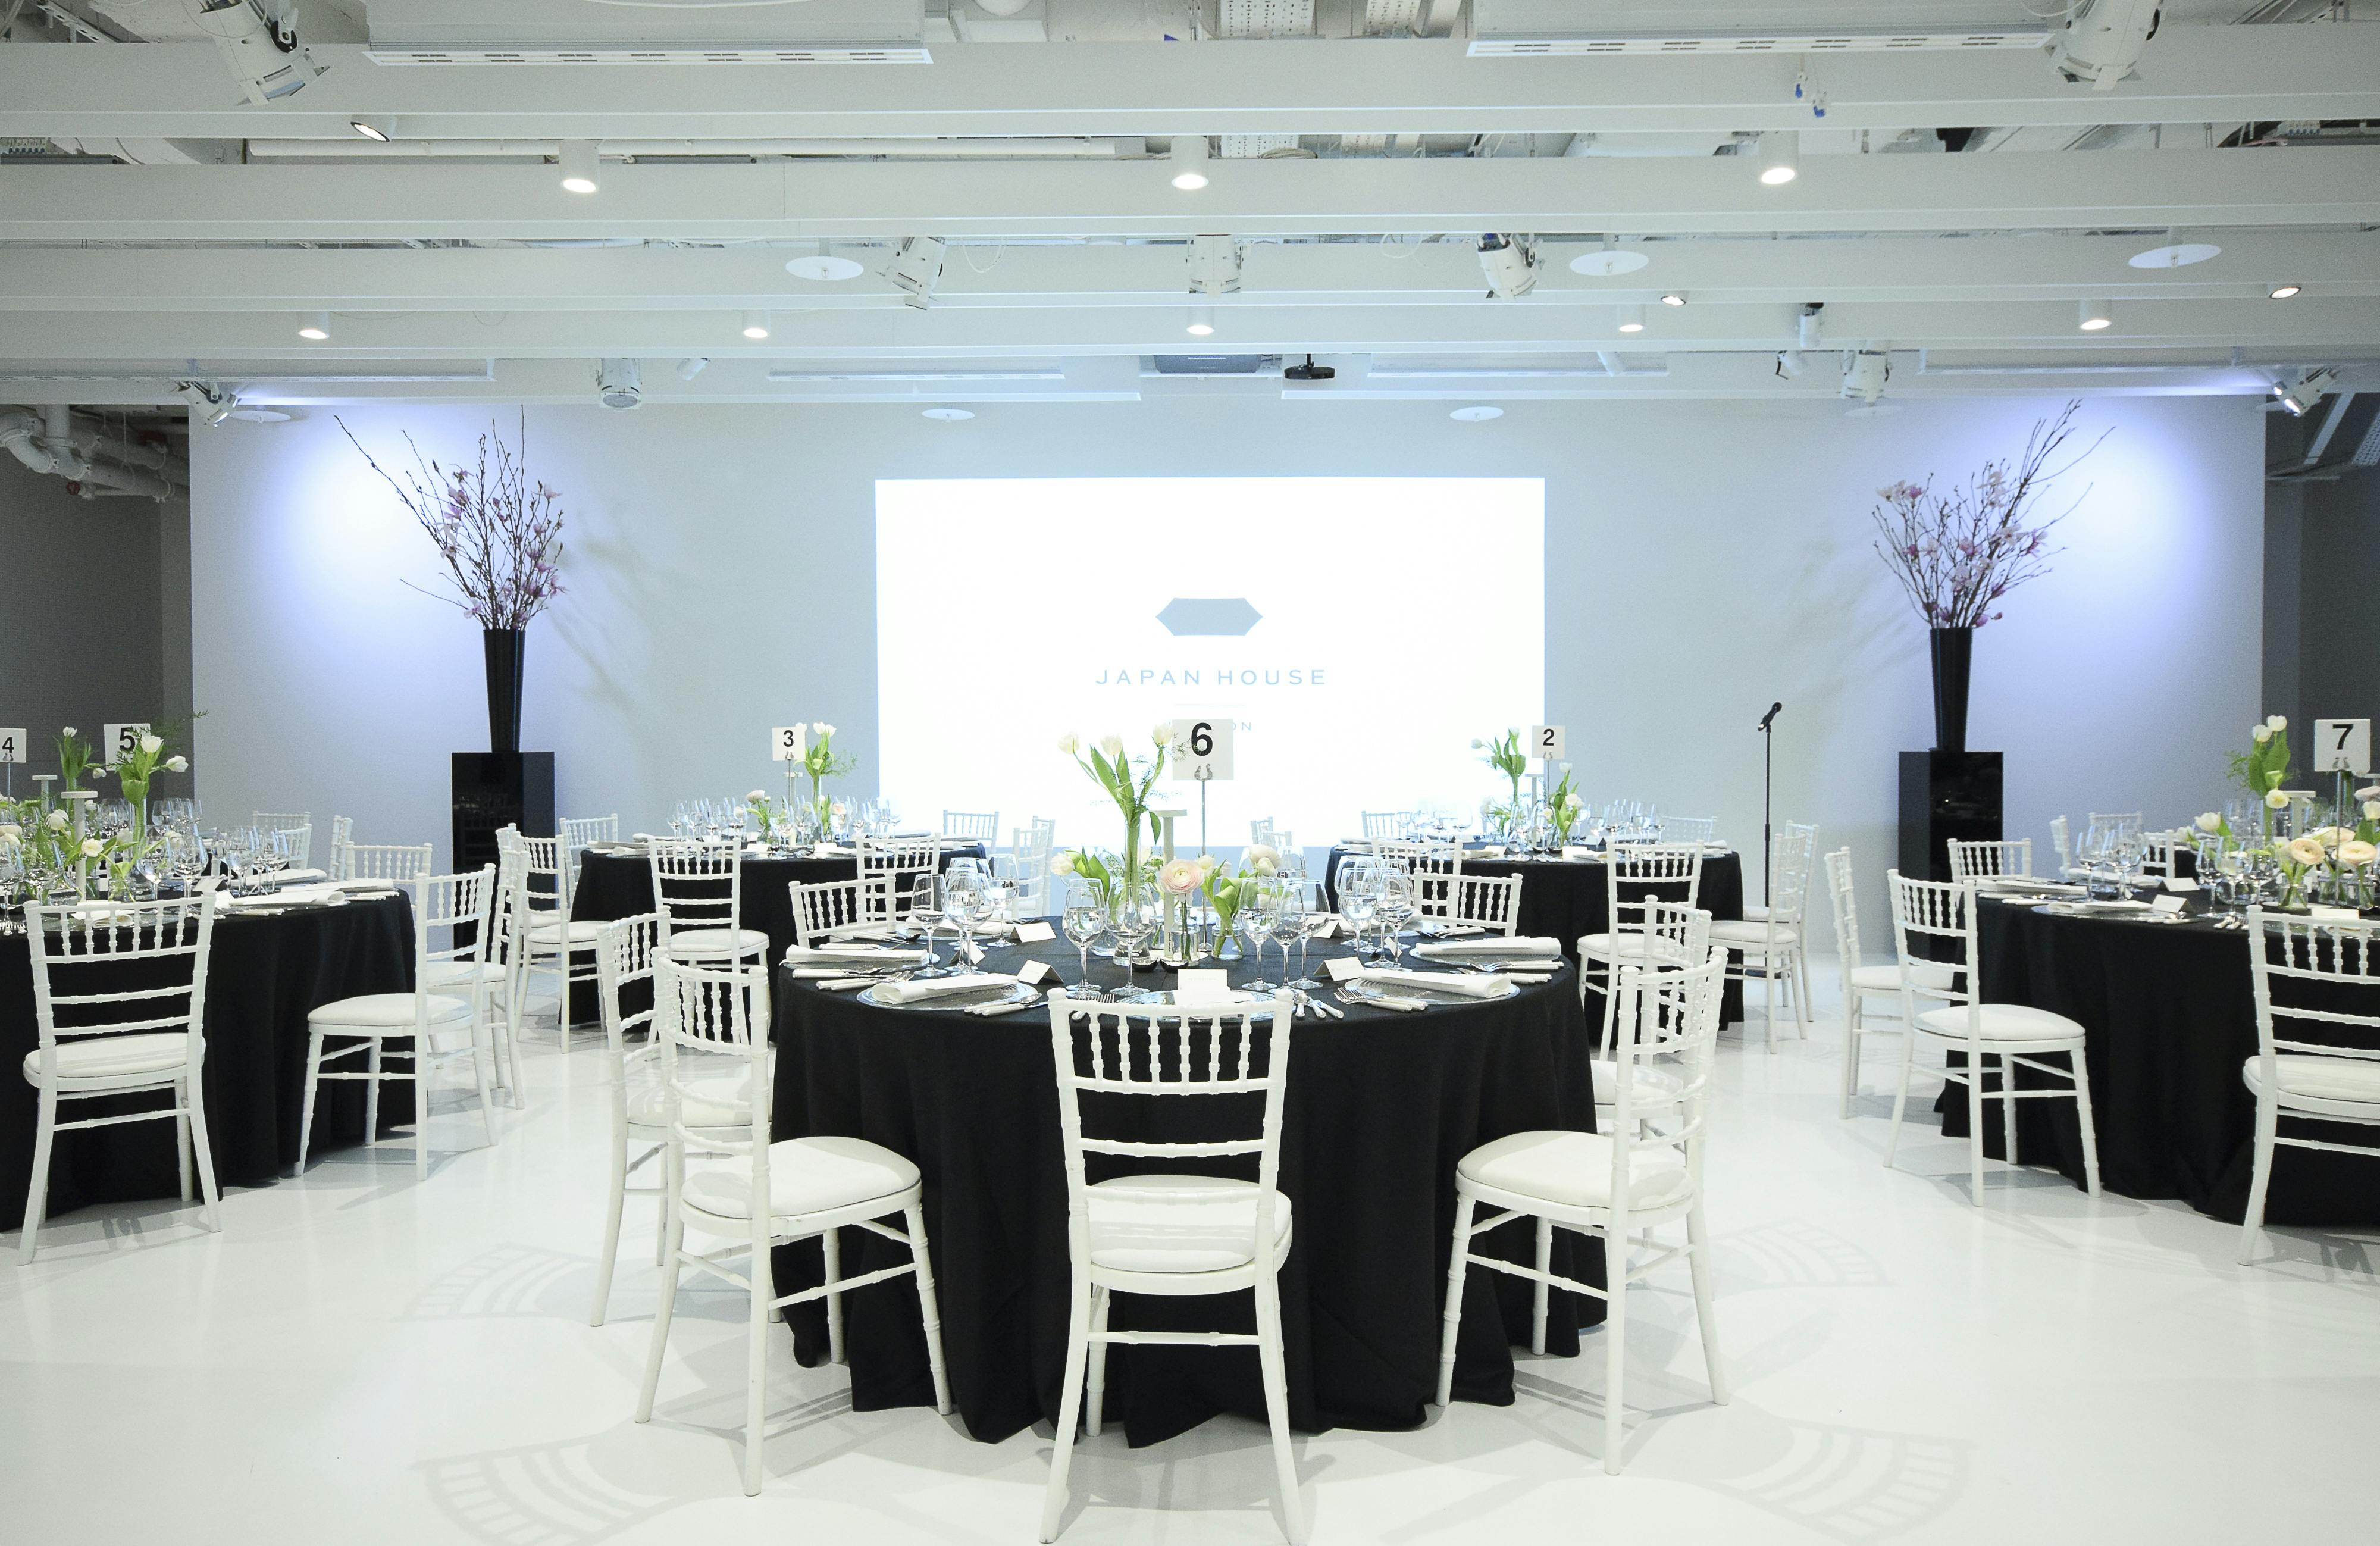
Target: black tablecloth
x=1567 y=899
x=265 y=974
x=2170 y=1013
x=1379 y=1107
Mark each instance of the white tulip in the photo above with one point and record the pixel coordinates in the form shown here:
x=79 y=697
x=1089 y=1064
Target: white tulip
x=92 y=847
x=152 y=745
x=178 y=764
x=67 y=730
x=2371 y=811
x=2211 y=822
x=1070 y=743
x=1061 y=863
x=822 y=728
x=757 y=796
x=2277 y=722
x=1113 y=747
x=2262 y=733
x=11 y=835
x=1163 y=734
x=55 y=820
x=2278 y=800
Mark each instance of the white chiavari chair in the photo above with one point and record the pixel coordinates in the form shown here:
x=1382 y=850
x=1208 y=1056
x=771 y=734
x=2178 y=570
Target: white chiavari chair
x=900 y=873
x=2017 y=1035
x=760 y=1192
x=1027 y=869
x=2158 y=861
x=1633 y=878
x=1613 y=1188
x=971 y=826
x=291 y=831
x=1387 y=825
x=1676 y=937
x=1260 y=831
x=1756 y=911
x=2324 y=1067
x=2115 y=818
x=1775 y=946
x=1491 y=902
x=834 y=910
x=1971 y=861
x=1435 y=870
x=1688 y=829
x=581 y=833
x=342 y=834
x=2061 y=839
x=1166 y=1233
x=553 y=942
x=1863 y=982
x=698 y=892
x=397 y=863
x=118 y=1037
x=435 y=1024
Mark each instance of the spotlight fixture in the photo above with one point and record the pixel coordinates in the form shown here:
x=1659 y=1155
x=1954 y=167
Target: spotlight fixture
x=1807 y=328
x=579 y=160
x=316 y=328
x=1608 y=259
x=2312 y=388
x=756 y=326
x=2097 y=316
x=1791 y=364
x=1865 y=373
x=1632 y=318
x=1214 y=266
x=1510 y=263
x=916 y=268
x=1780 y=156
x=258 y=40
x=1309 y=371
x=378 y=130
x=1675 y=297
x=218 y=412
x=2102 y=41
x=948 y=415
x=1202 y=321
x=1189 y=159
x=617 y=383
x=2283 y=292
x=1477 y=414
x=822 y=267
x=693 y=366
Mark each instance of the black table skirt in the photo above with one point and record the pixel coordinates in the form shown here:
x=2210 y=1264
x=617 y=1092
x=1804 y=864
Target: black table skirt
x=1566 y=900
x=263 y=975
x=2170 y=1014
x=1379 y=1107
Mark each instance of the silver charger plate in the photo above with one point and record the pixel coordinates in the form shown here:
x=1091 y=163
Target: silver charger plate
x=1364 y=989
x=1006 y=993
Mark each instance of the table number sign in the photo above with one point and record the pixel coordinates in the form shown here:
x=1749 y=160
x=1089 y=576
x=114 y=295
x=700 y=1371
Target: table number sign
x=787 y=743
x=2342 y=745
x=1201 y=750
x=117 y=742
x=12 y=745
x=1547 y=741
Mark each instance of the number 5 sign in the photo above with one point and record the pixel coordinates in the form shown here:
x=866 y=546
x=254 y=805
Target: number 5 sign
x=1546 y=741
x=1201 y=750
x=2342 y=745
x=120 y=741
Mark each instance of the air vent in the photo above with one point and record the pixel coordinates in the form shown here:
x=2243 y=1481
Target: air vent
x=1213 y=364
x=888 y=53
x=1805 y=43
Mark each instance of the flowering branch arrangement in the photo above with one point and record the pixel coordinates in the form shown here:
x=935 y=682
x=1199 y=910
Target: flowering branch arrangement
x=1958 y=552
x=499 y=534
x=1504 y=755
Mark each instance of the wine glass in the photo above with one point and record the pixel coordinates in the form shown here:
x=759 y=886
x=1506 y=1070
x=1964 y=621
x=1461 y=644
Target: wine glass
x=1293 y=915
x=1396 y=909
x=1258 y=916
x=966 y=902
x=1135 y=912
x=1084 y=920
x=1359 y=895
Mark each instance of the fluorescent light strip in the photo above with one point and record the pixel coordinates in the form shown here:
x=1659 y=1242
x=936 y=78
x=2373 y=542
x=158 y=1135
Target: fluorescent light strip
x=884 y=53
x=916 y=375
x=1807 y=43
x=1493 y=373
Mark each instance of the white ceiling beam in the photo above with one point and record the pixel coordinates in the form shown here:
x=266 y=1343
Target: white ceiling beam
x=1711 y=270
x=2318 y=322
x=2113 y=188
x=2189 y=75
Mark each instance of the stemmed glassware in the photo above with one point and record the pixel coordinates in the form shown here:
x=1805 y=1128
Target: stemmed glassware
x=1135 y=910
x=1259 y=917
x=1289 y=920
x=1084 y=920
x=1396 y=909
x=966 y=901
x=1359 y=895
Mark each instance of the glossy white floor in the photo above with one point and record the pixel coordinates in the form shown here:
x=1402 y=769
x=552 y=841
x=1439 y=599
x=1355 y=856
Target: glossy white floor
x=402 y=1362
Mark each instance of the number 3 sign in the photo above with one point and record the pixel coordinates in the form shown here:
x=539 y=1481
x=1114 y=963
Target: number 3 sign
x=787 y=742
x=1201 y=750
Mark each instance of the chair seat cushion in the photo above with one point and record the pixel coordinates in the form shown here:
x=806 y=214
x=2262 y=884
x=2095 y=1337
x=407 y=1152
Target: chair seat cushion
x=460 y=974
x=1573 y=1169
x=1928 y=978
x=109 y=1057
x=577 y=931
x=806 y=1175
x=2318 y=1079
x=388 y=1011
x=2002 y=1022
x=1743 y=931
x=1178 y=1224
x=1623 y=945
x=692 y=944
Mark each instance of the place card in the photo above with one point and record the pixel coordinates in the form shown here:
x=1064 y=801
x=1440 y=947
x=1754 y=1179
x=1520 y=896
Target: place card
x=1202 y=985
x=974 y=953
x=1032 y=973
x=2168 y=904
x=2181 y=884
x=1343 y=969
x=1035 y=933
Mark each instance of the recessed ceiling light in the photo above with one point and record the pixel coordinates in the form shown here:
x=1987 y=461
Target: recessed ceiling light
x=1478 y=414
x=1675 y=298
x=756 y=326
x=317 y=327
x=2097 y=316
x=2174 y=254
x=1202 y=321
x=825 y=270
x=1604 y=263
x=579 y=160
x=1632 y=318
x=1189 y=158
x=370 y=128
x=1781 y=157
x=948 y=415
x=2283 y=292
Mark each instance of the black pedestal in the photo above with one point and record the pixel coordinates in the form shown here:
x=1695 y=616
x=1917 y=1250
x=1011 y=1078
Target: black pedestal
x=1945 y=794
x=495 y=789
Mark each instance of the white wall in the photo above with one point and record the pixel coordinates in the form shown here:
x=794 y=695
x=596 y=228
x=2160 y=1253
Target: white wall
x=1704 y=558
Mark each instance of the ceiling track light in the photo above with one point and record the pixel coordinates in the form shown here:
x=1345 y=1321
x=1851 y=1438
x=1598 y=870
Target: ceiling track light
x=1214 y=266
x=1791 y=364
x=1511 y=264
x=2284 y=292
x=1632 y=318
x=1807 y=328
x=1189 y=159
x=380 y=131
x=1675 y=297
x=916 y=268
x=1780 y=156
x=2096 y=316
x=1202 y=321
x=617 y=384
x=316 y=328
x=756 y=326
x=579 y=160
x=693 y=366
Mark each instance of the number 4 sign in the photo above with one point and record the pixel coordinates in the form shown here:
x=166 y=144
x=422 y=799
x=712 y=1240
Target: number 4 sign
x=1201 y=750
x=788 y=742
x=1547 y=741
x=12 y=745
x=2342 y=745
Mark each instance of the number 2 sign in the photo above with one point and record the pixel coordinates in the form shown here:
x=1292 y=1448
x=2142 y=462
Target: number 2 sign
x=1201 y=750
x=1547 y=741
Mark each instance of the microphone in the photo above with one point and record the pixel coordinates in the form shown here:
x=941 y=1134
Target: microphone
x=1773 y=710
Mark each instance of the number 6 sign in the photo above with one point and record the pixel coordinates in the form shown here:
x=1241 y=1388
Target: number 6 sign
x=1201 y=749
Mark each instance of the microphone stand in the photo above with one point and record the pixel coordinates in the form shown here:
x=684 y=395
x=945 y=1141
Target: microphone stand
x=1767 y=776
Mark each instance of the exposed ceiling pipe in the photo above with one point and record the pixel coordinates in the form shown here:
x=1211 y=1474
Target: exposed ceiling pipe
x=2338 y=406
x=46 y=442
x=489 y=149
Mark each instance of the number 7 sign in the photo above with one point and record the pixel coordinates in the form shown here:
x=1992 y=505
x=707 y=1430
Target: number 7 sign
x=2342 y=745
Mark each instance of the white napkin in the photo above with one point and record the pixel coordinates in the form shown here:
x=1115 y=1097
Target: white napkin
x=848 y=951
x=298 y=877
x=1518 y=947
x=2043 y=888
x=917 y=990
x=1464 y=984
x=834 y=850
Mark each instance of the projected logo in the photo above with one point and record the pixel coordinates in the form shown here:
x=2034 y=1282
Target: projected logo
x=1209 y=616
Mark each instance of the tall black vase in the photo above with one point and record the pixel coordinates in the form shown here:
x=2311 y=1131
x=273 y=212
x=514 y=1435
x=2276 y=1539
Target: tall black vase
x=507 y=651
x=1954 y=659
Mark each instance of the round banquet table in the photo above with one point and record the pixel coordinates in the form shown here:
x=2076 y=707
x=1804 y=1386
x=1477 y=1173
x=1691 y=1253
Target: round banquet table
x=265 y=972
x=1567 y=899
x=620 y=884
x=1379 y=1108
x=2170 y=1013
